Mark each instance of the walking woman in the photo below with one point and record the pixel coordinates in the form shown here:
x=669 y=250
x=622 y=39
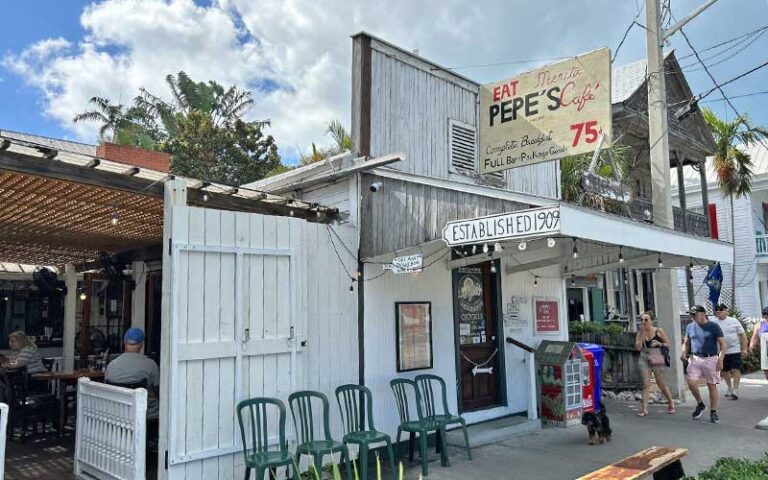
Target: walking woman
x=653 y=344
x=761 y=328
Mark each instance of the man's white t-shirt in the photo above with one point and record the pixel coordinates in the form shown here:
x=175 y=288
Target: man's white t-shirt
x=731 y=330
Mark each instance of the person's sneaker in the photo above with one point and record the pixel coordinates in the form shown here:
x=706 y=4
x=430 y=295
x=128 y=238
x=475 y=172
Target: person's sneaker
x=734 y=395
x=728 y=394
x=700 y=408
x=762 y=424
x=713 y=417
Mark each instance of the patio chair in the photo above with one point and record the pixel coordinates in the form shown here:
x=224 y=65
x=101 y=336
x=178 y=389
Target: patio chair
x=429 y=387
x=355 y=404
x=22 y=405
x=304 y=423
x=263 y=460
x=421 y=425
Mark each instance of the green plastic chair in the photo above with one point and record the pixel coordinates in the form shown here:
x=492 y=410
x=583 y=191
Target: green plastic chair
x=304 y=423
x=260 y=457
x=429 y=387
x=355 y=404
x=402 y=387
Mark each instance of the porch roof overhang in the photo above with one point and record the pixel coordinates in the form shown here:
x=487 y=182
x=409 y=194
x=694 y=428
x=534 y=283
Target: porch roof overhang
x=604 y=242
x=64 y=207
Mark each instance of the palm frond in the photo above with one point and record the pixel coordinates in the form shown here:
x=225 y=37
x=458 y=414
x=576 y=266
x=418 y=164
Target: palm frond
x=92 y=116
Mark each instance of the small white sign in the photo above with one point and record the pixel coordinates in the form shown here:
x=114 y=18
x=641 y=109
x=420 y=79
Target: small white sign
x=407 y=264
x=505 y=226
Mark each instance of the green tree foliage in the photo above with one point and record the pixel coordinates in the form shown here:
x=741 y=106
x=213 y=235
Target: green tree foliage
x=733 y=166
x=201 y=127
x=342 y=142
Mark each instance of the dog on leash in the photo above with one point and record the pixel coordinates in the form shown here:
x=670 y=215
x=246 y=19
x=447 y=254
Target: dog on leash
x=598 y=425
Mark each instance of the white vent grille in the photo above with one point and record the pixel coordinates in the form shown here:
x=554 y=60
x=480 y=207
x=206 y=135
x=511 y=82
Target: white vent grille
x=463 y=150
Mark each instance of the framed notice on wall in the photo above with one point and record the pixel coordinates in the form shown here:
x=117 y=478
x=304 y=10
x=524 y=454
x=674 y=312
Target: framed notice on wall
x=413 y=322
x=546 y=315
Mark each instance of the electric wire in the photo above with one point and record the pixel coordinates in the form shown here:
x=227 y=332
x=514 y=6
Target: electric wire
x=626 y=32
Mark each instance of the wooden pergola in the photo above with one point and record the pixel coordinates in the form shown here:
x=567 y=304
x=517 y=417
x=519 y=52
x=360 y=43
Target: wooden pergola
x=64 y=207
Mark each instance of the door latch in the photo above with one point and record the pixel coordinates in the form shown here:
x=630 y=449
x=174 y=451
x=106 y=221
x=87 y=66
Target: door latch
x=291 y=334
x=247 y=335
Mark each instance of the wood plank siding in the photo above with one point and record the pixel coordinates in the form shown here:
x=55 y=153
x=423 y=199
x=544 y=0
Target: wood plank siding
x=411 y=102
x=405 y=214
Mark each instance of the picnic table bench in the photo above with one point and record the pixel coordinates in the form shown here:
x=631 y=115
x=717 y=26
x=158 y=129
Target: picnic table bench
x=662 y=462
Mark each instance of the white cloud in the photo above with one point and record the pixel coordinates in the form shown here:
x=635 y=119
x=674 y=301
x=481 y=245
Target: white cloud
x=302 y=45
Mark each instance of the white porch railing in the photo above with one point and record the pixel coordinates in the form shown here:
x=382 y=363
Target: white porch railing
x=761 y=243
x=3 y=425
x=111 y=431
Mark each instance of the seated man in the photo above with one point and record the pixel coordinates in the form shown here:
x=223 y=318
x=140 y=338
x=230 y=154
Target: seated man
x=134 y=367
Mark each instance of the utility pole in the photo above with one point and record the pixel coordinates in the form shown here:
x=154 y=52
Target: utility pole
x=661 y=194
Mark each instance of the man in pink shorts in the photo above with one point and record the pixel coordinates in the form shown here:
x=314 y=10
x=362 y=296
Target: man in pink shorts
x=705 y=342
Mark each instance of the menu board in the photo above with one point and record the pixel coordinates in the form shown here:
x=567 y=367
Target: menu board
x=470 y=305
x=547 y=316
x=414 y=335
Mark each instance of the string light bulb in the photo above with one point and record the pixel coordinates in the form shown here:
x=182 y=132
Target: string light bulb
x=661 y=264
x=522 y=246
x=485 y=248
x=497 y=247
x=291 y=213
x=474 y=249
x=535 y=281
x=573 y=279
x=83 y=296
x=493 y=268
x=551 y=242
x=575 y=249
x=621 y=255
x=205 y=197
x=114 y=219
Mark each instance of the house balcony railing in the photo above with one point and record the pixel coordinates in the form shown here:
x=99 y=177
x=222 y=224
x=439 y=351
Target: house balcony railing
x=761 y=244
x=685 y=221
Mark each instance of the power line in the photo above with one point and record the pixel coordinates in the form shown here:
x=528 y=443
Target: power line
x=749 y=42
x=626 y=32
x=706 y=69
x=731 y=40
x=748 y=72
x=764 y=92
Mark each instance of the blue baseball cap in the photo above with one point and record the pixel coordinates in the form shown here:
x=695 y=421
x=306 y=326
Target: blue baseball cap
x=134 y=335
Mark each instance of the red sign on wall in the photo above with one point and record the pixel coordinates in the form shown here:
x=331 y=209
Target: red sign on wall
x=547 y=316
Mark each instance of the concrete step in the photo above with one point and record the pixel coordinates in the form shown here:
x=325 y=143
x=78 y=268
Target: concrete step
x=494 y=431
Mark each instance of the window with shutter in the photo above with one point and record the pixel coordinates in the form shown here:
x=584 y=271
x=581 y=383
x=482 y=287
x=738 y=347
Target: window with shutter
x=462 y=150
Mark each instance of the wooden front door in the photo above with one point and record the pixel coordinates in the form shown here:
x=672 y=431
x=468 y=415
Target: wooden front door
x=474 y=293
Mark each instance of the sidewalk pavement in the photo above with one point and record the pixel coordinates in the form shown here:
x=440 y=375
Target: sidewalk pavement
x=563 y=454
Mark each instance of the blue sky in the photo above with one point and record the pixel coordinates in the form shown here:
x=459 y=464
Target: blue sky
x=56 y=54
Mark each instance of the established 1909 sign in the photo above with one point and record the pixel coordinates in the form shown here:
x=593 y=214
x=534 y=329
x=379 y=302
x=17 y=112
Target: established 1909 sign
x=553 y=112
x=494 y=228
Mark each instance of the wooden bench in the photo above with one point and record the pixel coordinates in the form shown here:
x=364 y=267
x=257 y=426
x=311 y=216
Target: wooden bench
x=662 y=462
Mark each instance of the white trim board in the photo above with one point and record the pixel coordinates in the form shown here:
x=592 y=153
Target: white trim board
x=605 y=228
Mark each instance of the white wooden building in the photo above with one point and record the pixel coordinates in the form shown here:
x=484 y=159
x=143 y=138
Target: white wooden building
x=408 y=107
x=280 y=285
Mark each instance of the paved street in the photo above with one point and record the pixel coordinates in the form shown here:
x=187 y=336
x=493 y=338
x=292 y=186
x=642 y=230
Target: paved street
x=560 y=454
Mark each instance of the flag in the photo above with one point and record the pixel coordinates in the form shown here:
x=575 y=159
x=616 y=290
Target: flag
x=714 y=280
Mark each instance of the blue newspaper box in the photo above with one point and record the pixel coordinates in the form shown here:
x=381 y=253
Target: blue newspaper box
x=597 y=352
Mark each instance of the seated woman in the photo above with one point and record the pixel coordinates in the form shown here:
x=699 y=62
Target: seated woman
x=24 y=353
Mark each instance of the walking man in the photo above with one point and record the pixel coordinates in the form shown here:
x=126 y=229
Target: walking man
x=735 y=349
x=705 y=342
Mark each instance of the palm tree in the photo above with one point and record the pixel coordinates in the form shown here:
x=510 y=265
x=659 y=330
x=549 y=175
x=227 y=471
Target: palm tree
x=342 y=142
x=733 y=165
x=223 y=105
x=113 y=118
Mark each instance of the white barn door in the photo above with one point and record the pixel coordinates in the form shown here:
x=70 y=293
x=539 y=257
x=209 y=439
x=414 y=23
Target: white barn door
x=234 y=330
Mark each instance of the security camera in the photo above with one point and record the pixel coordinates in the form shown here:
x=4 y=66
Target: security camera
x=375 y=186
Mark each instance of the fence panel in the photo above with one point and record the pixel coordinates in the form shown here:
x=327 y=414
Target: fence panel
x=111 y=431
x=3 y=425
x=621 y=369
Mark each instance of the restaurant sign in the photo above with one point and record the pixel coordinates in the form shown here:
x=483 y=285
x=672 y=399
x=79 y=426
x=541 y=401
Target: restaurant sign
x=553 y=112
x=504 y=226
x=406 y=264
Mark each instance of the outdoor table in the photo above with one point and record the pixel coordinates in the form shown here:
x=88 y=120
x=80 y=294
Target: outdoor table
x=66 y=378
